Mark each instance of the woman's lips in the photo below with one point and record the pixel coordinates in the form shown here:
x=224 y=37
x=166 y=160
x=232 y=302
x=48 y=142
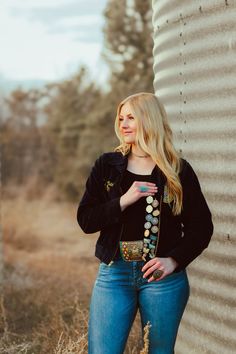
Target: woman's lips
x=127 y=133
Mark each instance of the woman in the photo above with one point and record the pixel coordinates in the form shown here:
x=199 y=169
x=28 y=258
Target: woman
x=153 y=220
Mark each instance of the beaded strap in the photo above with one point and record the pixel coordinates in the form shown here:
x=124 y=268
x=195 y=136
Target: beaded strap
x=152 y=228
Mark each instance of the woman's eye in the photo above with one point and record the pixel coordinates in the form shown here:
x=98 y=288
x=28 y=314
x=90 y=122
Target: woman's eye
x=130 y=118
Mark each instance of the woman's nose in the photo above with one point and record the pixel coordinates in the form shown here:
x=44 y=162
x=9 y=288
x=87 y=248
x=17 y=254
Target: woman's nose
x=124 y=123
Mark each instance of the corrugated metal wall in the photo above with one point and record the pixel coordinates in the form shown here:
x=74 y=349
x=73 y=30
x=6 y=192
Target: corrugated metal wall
x=195 y=77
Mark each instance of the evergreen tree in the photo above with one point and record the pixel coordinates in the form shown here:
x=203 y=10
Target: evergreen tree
x=128 y=46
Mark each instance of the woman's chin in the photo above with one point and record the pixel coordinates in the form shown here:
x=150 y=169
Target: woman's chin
x=128 y=140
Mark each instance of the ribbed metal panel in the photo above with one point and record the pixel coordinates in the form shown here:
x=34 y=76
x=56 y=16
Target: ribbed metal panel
x=195 y=77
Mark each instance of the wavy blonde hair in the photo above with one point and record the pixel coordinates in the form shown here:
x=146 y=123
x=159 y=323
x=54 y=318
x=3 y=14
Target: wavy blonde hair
x=154 y=136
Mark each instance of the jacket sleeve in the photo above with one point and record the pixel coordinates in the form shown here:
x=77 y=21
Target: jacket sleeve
x=95 y=212
x=196 y=219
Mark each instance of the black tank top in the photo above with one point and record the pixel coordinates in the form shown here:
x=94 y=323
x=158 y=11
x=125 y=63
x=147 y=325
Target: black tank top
x=133 y=217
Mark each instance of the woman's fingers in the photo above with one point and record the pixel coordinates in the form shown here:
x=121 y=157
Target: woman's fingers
x=150 y=267
x=137 y=190
x=150 y=264
x=161 y=277
x=150 y=271
x=150 y=184
x=145 y=187
x=165 y=264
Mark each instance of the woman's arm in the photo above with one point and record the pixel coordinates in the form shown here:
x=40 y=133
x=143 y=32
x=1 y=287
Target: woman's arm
x=196 y=219
x=94 y=212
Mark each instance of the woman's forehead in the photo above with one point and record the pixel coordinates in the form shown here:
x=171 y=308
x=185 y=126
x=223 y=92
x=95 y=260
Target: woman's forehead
x=125 y=109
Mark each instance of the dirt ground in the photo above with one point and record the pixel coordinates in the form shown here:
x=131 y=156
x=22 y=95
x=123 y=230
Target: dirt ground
x=49 y=268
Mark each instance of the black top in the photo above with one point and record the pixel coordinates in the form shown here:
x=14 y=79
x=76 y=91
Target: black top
x=133 y=217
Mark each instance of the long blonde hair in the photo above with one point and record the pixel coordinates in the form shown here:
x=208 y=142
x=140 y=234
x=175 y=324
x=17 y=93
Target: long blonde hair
x=154 y=136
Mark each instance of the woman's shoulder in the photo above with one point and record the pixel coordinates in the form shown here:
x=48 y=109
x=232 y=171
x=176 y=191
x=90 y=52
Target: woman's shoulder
x=111 y=157
x=184 y=164
x=108 y=159
x=187 y=173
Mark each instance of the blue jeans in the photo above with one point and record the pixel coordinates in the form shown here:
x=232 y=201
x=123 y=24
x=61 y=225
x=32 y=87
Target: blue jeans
x=119 y=291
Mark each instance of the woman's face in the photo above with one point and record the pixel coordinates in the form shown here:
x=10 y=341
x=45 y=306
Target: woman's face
x=127 y=124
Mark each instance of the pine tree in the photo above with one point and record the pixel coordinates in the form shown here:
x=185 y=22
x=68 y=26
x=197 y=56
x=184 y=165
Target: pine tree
x=128 y=46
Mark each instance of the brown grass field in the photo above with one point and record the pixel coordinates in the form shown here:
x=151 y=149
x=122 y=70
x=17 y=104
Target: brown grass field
x=49 y=271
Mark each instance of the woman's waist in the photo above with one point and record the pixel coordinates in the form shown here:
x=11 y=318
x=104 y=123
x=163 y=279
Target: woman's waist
x=132 y=249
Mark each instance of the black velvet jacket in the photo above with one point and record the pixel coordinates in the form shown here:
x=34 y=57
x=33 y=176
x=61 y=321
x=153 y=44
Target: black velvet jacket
x=182 y=237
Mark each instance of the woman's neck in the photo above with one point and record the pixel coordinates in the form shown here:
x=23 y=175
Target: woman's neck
x=136 y=151
x=139 y=164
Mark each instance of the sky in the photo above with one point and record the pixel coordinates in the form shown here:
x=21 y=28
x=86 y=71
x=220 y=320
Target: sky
x=50 y=39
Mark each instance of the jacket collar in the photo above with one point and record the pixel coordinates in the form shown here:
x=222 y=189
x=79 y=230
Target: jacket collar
x=118 y=160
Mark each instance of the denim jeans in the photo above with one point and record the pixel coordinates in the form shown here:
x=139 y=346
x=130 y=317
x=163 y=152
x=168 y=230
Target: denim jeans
x=119 y=291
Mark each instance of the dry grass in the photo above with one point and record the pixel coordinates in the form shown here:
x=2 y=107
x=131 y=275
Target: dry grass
x=79 y=346
x=146 y=339
x=45 y=302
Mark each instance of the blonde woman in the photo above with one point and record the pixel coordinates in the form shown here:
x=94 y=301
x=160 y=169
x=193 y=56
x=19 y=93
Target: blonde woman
x=153 y=220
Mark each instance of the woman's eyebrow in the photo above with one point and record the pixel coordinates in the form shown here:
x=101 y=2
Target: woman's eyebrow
x=127 y=115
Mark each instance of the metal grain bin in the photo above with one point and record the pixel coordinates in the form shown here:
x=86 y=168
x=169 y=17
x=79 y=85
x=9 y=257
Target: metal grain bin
x=195 y=78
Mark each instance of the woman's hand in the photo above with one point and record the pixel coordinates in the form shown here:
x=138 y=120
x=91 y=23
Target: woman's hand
x=133 y=193
x=167 y=265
